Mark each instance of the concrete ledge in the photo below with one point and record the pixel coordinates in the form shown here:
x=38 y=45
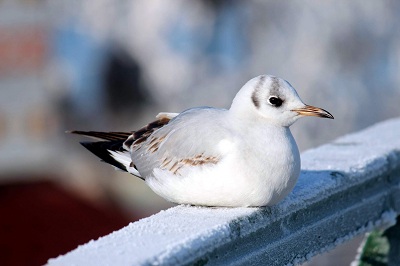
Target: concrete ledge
x=347 y=187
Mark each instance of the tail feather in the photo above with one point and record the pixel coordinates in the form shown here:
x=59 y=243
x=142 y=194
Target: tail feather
x=112 y=152
x=102 y=150
x=110 y=149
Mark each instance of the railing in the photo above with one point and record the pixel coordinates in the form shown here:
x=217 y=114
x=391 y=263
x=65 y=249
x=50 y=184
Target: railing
x=346 y=188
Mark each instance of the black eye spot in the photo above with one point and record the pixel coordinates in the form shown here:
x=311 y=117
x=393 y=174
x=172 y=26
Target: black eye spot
x=275 y=101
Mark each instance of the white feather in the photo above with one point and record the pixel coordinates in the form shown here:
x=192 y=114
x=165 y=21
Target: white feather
x=125 y=159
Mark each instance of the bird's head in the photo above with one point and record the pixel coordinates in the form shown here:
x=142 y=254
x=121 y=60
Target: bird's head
x=273 y=99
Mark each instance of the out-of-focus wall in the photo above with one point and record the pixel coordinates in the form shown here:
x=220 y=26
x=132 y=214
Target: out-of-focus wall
x=29 y=121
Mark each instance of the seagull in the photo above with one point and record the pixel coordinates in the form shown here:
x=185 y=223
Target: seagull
x=238 y=157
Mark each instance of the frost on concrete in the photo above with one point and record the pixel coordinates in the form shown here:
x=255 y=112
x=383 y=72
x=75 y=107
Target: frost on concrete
x=180 y=231
x=346 y=187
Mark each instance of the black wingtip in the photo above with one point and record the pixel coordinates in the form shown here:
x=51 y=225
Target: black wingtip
x=100 y=149
x=99 y=135
x=77 y=132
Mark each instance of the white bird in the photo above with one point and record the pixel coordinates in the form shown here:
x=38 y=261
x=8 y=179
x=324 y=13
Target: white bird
x=244 y=156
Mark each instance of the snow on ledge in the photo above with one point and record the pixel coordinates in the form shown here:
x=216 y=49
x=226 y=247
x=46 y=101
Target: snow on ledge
x=346 y=187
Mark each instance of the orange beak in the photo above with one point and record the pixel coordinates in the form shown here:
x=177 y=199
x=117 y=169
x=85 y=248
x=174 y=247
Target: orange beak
x=309 y=110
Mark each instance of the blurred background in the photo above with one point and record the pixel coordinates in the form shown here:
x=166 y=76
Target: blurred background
x=113 y=65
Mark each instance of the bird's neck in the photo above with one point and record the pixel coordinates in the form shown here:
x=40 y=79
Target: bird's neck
x=255 y=123
x=253 y=119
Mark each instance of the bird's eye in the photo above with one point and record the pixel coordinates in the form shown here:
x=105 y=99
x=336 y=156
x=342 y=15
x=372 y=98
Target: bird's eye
x=275 y=101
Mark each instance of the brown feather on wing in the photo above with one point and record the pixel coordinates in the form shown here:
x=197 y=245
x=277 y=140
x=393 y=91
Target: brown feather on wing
x=142 y=134
x=198 y=160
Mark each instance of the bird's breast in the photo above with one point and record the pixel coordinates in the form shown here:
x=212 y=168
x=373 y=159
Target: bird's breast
x=272 y=166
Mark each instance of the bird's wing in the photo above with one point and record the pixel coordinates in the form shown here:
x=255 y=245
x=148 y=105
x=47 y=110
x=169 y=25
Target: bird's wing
x=189 y=140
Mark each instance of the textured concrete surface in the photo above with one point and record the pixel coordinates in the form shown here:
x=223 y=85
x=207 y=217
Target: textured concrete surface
x=346 y=188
